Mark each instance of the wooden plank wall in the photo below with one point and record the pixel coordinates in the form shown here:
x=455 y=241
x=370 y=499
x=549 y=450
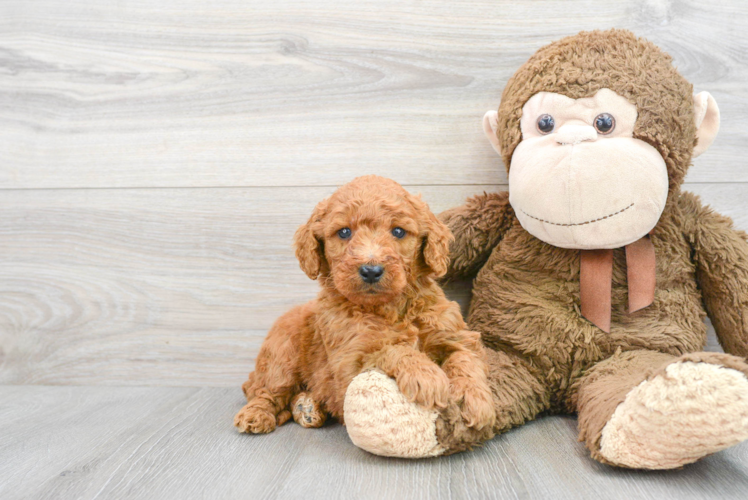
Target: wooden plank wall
x=156 y=157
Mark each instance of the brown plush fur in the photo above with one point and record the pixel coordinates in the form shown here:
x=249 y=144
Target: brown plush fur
x=402 y=325
x=546 y=356
x=580 y=65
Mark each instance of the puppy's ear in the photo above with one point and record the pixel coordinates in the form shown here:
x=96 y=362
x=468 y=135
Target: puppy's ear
x=308 y=244
x=436 y=245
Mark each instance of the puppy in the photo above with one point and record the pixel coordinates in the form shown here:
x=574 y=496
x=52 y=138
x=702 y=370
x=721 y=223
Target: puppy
x=376 y=250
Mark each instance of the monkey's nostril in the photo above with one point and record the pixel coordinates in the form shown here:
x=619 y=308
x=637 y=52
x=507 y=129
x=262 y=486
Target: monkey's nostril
x=371 y=274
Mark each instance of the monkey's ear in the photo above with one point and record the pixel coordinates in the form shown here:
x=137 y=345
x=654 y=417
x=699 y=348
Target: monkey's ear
x=490 y=125
x=309 y=249
x=707 y=121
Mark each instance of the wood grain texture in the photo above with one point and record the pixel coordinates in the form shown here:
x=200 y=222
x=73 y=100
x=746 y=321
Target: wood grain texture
x=167 y=286
x=298 y=93
x=150 y=286
x=155 y=160
x=115 y=443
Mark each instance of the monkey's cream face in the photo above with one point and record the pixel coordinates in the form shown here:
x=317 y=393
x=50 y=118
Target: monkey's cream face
x=579 y=179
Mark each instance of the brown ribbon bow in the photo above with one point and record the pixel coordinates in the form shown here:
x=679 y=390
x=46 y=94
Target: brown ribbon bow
x=596 y=275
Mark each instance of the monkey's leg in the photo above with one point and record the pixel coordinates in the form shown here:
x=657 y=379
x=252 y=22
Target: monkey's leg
x=649 y=410
x=380 y=420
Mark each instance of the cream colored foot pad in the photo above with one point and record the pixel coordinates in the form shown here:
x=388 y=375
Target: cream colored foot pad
x=673 y=420
x=381 y=421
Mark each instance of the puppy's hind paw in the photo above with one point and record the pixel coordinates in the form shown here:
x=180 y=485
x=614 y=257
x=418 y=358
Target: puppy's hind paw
x=306 y=411
x=254 y=420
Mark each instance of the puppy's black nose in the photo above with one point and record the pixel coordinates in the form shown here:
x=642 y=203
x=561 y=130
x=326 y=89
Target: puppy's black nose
x=371 y=274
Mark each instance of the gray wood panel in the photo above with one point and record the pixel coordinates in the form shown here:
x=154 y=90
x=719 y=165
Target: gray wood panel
x=237 y=93
x=155 y=160
x=150 y=286
x=166 y=286
x=114 y=443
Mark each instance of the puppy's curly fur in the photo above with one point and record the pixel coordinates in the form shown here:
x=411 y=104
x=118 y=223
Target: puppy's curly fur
x=401 y=324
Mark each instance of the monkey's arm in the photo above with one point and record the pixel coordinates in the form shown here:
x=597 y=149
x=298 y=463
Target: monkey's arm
x=478 y=226
x=720 y=253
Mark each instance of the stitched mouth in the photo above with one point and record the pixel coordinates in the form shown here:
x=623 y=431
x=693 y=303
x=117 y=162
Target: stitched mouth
x=579 y=223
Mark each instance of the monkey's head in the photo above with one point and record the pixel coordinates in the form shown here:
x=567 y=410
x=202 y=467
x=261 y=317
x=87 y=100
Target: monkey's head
x=596 y=131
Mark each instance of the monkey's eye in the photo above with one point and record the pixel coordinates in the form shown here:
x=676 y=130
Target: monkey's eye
x=398 y=233
x=546 y=124
x=344 y=233
x=605 y=123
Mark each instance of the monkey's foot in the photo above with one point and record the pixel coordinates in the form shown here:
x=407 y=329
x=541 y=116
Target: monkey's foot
x=306 y=411
x=678 y=417
x=380 y=420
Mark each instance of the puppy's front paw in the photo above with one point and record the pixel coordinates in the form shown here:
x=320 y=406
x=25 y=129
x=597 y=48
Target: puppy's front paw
x=476 y=403
x=424 y=384
x=254 y=420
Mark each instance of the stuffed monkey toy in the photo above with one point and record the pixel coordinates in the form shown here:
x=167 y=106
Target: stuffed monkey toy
x=593 y=274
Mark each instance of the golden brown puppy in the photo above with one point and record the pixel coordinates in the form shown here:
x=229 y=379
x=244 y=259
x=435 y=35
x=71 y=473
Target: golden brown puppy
x=376 y=249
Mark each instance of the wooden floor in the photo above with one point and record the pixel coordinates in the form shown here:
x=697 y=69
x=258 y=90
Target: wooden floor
x=159 y=443
x=156 y=157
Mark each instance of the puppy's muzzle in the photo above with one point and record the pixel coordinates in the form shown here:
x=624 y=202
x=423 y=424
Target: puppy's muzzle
x=371 y=274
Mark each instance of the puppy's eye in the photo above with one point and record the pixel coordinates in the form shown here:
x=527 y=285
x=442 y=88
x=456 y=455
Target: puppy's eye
x=605 y=123
x=546 y=124
x=398 y=232
x=344 y=233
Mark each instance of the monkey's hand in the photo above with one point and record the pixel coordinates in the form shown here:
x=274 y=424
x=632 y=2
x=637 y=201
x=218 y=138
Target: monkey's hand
x=720 y=253
x=477 y=226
